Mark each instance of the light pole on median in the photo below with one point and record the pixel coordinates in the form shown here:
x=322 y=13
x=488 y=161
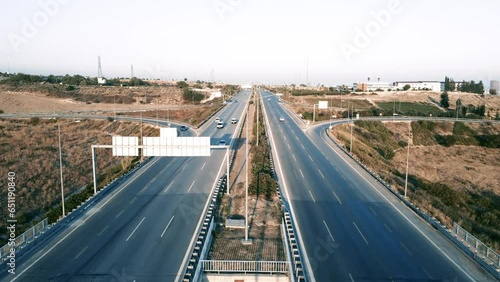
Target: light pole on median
x=61 y=167
x=408 y=157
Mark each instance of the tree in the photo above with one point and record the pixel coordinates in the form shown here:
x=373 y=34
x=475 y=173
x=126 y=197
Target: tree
x=182 y=84
x=445 y=100
x=406 y=87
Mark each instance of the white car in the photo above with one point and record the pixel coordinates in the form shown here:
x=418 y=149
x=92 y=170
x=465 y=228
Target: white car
x=220 y=124
x=234 y=120
x=282 y=119
x=217 y=120
x=222 y=142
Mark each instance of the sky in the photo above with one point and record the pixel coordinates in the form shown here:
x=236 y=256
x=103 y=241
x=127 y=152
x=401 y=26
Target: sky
x=327 y=42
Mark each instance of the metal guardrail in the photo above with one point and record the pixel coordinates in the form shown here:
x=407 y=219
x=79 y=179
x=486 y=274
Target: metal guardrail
x=238 y=266
x=488 y=254
x=27 y=237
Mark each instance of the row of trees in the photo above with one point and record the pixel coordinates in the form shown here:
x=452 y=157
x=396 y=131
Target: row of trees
x=464 y=86
x=79 y=80
x=464 y=110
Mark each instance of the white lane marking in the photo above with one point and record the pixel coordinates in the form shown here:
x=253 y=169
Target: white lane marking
x=284 y=137
x=406 y=249
x=373 y=211
x=102 y=231
x=401 y=213
x=328 y=229
x=303 y=146
x=120 y=213
x=164 y=230
x=289 y=146
x=191 y=186
x=296 y=137
x=350 y=276
x=360 y=232
x=133 y=200
x=203 y=165
x=135 y=229
x=312 y=196
x=185 y=166
x=321 y=173
x=294 y=157
x=388 y=228
x=168 y=187
x=301 y=173
x=311 y=159
x=338 y=199
x=81 y=252
x=427 y=272
x=211 y=151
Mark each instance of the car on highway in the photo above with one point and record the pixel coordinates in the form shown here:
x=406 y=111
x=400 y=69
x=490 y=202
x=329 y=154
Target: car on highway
x=217 y=120
x=222 y=142
x=282 y=119
x=183 y=128
x=234 y=120
x=220 y=125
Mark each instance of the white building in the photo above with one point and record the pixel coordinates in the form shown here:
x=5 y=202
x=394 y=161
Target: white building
x=419 y=85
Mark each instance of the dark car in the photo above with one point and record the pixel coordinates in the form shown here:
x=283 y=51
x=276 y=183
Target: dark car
x=183 y=128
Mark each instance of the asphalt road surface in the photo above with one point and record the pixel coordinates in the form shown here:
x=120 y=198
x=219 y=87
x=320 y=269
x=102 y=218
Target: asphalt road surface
x=143 y=229
x=351 y=228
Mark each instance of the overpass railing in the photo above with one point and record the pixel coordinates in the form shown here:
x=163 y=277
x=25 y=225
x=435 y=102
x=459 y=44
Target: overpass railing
x=238 y=266
x=22 y=240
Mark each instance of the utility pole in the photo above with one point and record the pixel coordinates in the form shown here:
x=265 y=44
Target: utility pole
x=246 y=177
x=61 y=169
x=350 y=147
x=257 y=105
x=407 y=157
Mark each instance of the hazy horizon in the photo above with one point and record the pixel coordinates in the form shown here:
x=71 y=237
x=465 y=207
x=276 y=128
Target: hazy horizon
x=238 y=41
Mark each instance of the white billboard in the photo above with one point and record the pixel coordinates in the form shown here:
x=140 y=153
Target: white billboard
x=176 y=146
x=125 y=141
x=323 y=105
x=166 y=132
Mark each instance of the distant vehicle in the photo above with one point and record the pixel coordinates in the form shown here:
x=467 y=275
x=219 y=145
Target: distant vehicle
x=282 y=119
x=183 y=128
x=222 y=142
x=220 y=124
x=269 y=99
x=234 y=120
x=217 y=120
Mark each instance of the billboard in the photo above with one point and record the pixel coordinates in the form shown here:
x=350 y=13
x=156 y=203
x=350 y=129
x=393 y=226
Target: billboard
x=323 y=105
x=125 y=141
x=176 y=146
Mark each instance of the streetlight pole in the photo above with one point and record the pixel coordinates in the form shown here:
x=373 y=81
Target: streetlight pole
x=61 y=166
x=350 y=147
x=61 y=170
x=246 y=177
x=407 y=157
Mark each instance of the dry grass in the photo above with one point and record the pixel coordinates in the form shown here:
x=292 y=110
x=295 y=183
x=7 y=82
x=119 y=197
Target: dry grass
x=29 y=148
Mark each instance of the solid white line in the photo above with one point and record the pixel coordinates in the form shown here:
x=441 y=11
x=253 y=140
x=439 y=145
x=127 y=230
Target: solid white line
x=338 y=199
x=328 y=229
x=301 y=173
x=81 y=252
x=191 y=186
x=406 y=249
x=104 y=229
x=321 y=173
x=401 y=213
x=135 y=229
x=294 y=157
x=203 y=166
x=167 y=226
x=360 y=232
x=133 y=200
x=312 y=196
x=120 y=213
x=168 y=187
x=350 y=276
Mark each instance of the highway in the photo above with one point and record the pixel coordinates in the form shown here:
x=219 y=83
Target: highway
x=143 y=229
x=350 y=227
